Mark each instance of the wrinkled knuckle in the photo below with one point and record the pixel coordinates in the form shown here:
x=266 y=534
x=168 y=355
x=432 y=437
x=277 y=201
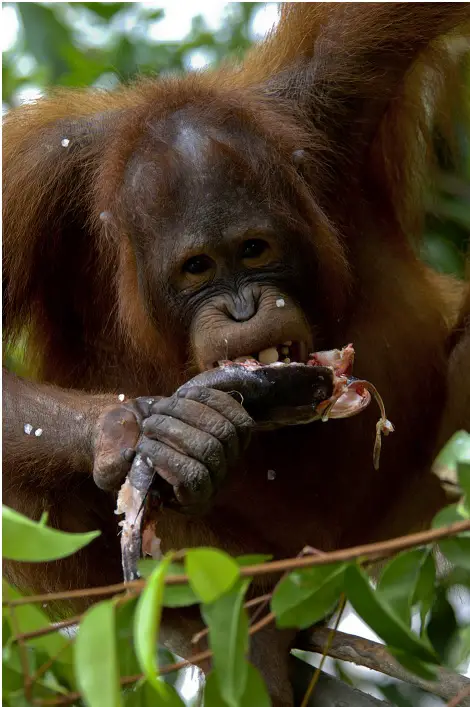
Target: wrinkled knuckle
x=147 y=448
x=152 y=423
x=171 y=403
x=201 y=393
x=196 y=478
x=213 y=449
x=242 y=420
x=141 y=407
x=223 y=429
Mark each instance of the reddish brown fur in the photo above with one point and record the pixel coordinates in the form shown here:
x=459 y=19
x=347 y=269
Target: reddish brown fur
x=344 y=82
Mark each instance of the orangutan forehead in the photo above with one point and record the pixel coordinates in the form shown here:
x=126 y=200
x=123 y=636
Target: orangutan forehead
x=180 y=163
x=192 y=143
x=188 y=145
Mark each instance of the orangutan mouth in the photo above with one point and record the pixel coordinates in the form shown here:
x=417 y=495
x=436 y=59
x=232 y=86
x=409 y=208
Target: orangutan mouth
x=286 y=352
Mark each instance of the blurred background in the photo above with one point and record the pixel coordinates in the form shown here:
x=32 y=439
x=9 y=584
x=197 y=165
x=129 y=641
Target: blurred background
x=103 y=44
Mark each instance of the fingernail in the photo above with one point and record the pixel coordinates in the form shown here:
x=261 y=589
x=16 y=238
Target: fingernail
x=128 y=454
x=193 y=392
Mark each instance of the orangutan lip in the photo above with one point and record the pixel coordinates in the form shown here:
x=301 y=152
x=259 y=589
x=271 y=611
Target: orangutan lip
x=286 y=352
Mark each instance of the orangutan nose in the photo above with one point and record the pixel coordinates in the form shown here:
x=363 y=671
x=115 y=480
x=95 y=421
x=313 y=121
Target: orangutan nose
x=241 y=307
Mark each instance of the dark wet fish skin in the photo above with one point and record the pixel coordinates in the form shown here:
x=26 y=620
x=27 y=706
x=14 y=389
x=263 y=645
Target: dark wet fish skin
x=266 y=390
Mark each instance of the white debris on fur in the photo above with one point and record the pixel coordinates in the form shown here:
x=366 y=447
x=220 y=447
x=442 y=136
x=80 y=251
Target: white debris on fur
x=38 y=432
x=280 y=302
x=106 y=216
x=121 y=397
x=28 y=428
x=65 y=142
x=271 y=474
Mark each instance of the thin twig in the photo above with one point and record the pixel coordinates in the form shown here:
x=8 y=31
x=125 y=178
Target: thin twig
x=370 y=551
x=307 y=550
x=269 y=618
x=375 y=656
x=325 y=653
x=45 y=630
x=66 y=623
x=247 y=605
x=138 y=585
x=71 y=697
x=23 y=651
x=458 y=699
x=49 y=663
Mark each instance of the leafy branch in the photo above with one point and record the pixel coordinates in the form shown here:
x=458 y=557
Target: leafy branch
x=114 y=652
x=375 y=656
x=371 y=551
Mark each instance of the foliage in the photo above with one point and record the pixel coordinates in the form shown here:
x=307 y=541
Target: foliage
x=92 y=43
x=114 y=658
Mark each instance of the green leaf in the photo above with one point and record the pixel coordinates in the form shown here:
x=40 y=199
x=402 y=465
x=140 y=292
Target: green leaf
x=30 y=618
x=448 y=515
x=106 y=10
x=306 y=596
x=254 y=695
x=424 y=592
x=28 y=541
x=12 y=677
x=46 y=37
x=228 y=638
x=464 y=638
x=128 y=663
x=124 y=629
x=457 y=550
x=146 y=566
x=211 y=572
x=455 y=575
x=146 y=629
x=460 y=652
x=442 y=255
x=463 y=473
x=247 y=560
x=143 y=695
x=456 y=451
x=398 y=582
x=380 y=617
x=173 y=595
x=442 y=628
x=394 y=694
x=455 y=210
x=96 y=660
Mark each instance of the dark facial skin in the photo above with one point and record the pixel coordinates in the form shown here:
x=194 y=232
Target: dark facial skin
x=224 y=260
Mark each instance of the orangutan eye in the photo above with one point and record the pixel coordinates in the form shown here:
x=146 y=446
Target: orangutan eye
x=254 y=248
x=198 y=265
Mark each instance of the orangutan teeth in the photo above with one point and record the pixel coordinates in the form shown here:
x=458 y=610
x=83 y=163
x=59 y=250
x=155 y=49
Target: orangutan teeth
x=268 y=356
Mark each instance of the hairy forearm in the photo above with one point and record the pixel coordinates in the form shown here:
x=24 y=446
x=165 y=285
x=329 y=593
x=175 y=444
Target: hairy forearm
x=47 y=431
